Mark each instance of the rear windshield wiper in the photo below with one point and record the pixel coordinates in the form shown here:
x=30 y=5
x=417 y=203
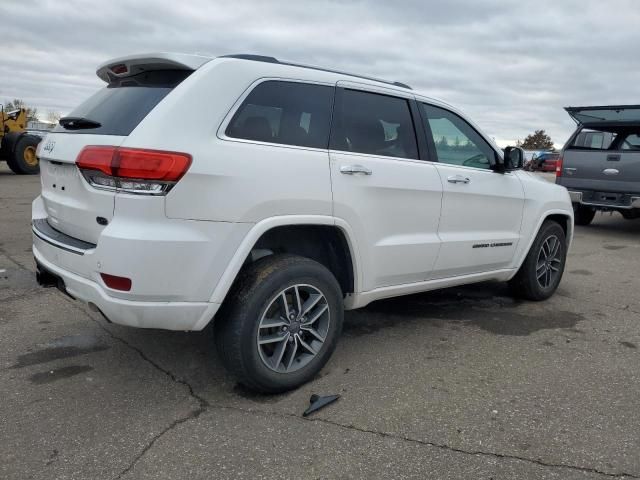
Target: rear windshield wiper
x=78 y=123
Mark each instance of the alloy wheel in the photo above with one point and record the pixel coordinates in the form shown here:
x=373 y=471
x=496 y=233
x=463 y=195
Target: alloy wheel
x=293 y=328
x=549 y=261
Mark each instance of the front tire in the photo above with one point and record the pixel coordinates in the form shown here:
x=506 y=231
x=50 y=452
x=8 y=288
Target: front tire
x=542 y=269
x=280 y=323
x=583 y=215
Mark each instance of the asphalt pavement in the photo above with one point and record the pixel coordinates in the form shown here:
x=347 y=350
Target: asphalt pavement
x=462 y=383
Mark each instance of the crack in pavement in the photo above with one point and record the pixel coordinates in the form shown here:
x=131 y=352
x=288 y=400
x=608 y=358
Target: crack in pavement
x=20 y=296
x=12 y=260
x=441 y=446
x=502 y=456
x=204 y=406
x=193 y=414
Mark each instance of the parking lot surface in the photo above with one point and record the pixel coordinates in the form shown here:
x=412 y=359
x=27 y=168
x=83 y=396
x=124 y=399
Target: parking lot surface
x=462 y=383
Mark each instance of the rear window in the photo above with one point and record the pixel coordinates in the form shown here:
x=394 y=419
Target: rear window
x=289 y=113
x=121 y=105
x=593 y=140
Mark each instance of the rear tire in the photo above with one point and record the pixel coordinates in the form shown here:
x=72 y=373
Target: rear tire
x=23 y=160
x=542 y=269
x=266 y=293
x=630 y=214
x=583 y=215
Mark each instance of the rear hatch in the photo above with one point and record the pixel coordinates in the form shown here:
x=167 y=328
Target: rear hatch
x=603 y=155
x=135 y=85
x=605 y=114
x=73 y=206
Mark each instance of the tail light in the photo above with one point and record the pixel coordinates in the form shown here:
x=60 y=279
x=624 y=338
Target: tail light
x=559 y=167
x=132 y=170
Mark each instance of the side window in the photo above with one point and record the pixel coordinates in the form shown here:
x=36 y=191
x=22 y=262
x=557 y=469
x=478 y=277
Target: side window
x=456 y=142
x=289 y=113
x=375 y=124
x=631 y=142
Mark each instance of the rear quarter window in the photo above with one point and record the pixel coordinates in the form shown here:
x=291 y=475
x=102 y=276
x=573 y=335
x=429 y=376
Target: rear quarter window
x=120 y=106
x=288 y=113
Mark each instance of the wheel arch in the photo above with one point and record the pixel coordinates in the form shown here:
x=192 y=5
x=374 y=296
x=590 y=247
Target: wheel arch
x=325 y=239
x=565 y=222
x=563 y=217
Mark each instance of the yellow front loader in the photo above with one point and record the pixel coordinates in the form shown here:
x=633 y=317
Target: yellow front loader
x=17 y=147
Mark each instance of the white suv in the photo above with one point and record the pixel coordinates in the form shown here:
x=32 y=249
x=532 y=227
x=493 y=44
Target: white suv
x=271 y=196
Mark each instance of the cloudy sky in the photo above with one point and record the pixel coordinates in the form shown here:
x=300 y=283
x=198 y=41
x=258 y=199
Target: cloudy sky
x=511 y=65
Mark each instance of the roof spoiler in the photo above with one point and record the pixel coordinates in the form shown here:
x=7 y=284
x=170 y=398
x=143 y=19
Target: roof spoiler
x=133 y=64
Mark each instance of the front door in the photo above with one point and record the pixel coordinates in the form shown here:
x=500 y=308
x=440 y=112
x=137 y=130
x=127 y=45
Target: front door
x=389 y=197
x=481 y=209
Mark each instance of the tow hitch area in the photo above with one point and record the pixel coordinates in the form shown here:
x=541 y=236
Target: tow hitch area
x=47 y=279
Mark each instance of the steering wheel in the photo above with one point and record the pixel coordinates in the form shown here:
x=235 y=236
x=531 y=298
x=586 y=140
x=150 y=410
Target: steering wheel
x=479 y=158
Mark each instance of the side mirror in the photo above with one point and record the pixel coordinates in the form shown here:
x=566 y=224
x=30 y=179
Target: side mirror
x=513 y=158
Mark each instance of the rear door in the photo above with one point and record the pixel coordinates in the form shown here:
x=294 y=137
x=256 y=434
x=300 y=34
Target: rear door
x=106 y=118
x=381 y=188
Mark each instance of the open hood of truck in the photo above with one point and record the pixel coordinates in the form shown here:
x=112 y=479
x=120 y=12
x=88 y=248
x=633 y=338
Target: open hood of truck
x=607 y=114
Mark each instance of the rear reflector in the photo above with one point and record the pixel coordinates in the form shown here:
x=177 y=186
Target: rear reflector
x=134 y=170
x=116 y=283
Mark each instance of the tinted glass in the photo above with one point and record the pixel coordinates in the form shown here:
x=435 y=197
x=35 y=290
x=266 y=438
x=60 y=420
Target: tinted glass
x=631 y=142
x=590 y=115
x=594 y=139
x=121 y=106
x=456 y=142
x=289 y=113
x=375 y=124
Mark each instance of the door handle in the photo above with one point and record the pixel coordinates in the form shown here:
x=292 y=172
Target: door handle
x=458 y=179
x=611 y=171
x=353 y=169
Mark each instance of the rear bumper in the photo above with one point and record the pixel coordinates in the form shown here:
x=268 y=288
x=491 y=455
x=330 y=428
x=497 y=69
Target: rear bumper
x=627 y=201
x=174 y=266
x=164 y=315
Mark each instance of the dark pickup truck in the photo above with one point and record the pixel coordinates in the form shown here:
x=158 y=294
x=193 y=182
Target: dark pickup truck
x=600 y=163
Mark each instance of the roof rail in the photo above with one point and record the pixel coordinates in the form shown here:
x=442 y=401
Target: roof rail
x=267 y=59
x=250 y=56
